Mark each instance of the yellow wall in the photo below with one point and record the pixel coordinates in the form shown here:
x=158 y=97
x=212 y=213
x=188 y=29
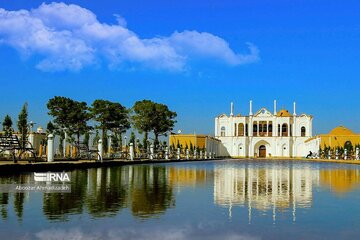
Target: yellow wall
x=338 y=141
x=183 y=139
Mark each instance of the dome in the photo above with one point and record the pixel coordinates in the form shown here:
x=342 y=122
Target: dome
x=283 y=113
x=39 y=130
x=341 y=130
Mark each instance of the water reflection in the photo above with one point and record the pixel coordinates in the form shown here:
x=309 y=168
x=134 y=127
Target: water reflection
x=341 y=181
x=147 y=191
x=264 y=189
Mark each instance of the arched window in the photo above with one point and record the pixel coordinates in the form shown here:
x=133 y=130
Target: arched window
x=284 y=130
x=303 y=131
x=246 y=130
x=255 y=129
x=241 y=129
x=235 y=125
x=222 y=134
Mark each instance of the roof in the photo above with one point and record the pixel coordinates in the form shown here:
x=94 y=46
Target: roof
x=341 y=131
x=283 y=113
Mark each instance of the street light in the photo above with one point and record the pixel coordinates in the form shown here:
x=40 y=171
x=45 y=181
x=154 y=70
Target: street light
x=31 y=125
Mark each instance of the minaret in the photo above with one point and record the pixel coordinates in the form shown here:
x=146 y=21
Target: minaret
x=231 y=109
x=294 y=109
x=275 y=107
x=250 y=113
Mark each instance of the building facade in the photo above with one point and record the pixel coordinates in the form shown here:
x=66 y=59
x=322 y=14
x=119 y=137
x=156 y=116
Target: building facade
x=208 y=143
x=263 y=133
x=338 y=137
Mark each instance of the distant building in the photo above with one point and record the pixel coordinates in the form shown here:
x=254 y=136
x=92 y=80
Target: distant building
x=263 y=133
x=209 y=143
x=36 y=139
x=337 y=137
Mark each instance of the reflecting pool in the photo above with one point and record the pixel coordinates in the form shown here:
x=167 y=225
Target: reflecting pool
x=227 y=199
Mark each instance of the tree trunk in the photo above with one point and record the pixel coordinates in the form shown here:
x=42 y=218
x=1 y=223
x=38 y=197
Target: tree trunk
x=156 y=141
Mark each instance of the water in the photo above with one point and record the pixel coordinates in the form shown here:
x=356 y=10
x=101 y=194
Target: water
x=229 y=199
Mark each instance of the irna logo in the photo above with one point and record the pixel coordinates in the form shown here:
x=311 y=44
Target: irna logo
x=52 y=177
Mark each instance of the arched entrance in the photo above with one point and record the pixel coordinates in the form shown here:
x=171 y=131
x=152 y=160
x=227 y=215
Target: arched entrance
x=262 y=151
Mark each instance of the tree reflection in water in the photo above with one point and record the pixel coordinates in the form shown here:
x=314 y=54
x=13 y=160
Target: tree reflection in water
x=148 y=190
x=105 y=191
x=151 y=194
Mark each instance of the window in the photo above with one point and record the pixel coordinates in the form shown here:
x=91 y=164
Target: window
x=222 y=134
x=235 y=129
x=241 y=129
x=246 y=130
x=303 y=131
x=255 y=129
x=270 y=129
x=284 y=130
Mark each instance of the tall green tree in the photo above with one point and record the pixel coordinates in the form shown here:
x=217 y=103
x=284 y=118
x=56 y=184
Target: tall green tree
x=22 y=125
x=50 y=128
x=156 y=117
x=70 y=114
x=110 y=116
x=7 y=126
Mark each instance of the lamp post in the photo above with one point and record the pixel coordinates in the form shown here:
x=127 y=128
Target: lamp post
x=31 y=125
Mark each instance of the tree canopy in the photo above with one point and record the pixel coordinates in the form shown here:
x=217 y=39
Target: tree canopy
x=7 y=125
x=156 y=117
x=110 y=116
x=70 y=114
x=22 y=124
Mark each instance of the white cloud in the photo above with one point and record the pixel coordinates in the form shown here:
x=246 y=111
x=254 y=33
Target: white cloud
x=179 y=233
x=69 y=37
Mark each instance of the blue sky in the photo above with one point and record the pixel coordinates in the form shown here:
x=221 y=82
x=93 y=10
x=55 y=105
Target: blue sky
x=195 y=56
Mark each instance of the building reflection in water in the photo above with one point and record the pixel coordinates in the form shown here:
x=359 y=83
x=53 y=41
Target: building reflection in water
x=188 y=176
x=341 y=181
x=148 y=190
x=273 y=188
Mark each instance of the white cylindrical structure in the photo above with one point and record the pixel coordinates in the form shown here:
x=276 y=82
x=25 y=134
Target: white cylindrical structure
x=231 y=109
x=187 y=154
x=337 y=154
x=100 y=150
x=357 y=154
x=131 y=151
x=201 y=154
x=275 y=107
x=329 y=154
x=151 y=152
x=250 y=112
x=195 y=154
x=178 y=153
x=109 y=145
x=166 y=153
x=345 y=154
x=294 y=109
x=50 y=148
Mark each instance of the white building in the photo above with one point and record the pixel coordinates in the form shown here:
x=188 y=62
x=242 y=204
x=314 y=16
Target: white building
x=264 y=134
